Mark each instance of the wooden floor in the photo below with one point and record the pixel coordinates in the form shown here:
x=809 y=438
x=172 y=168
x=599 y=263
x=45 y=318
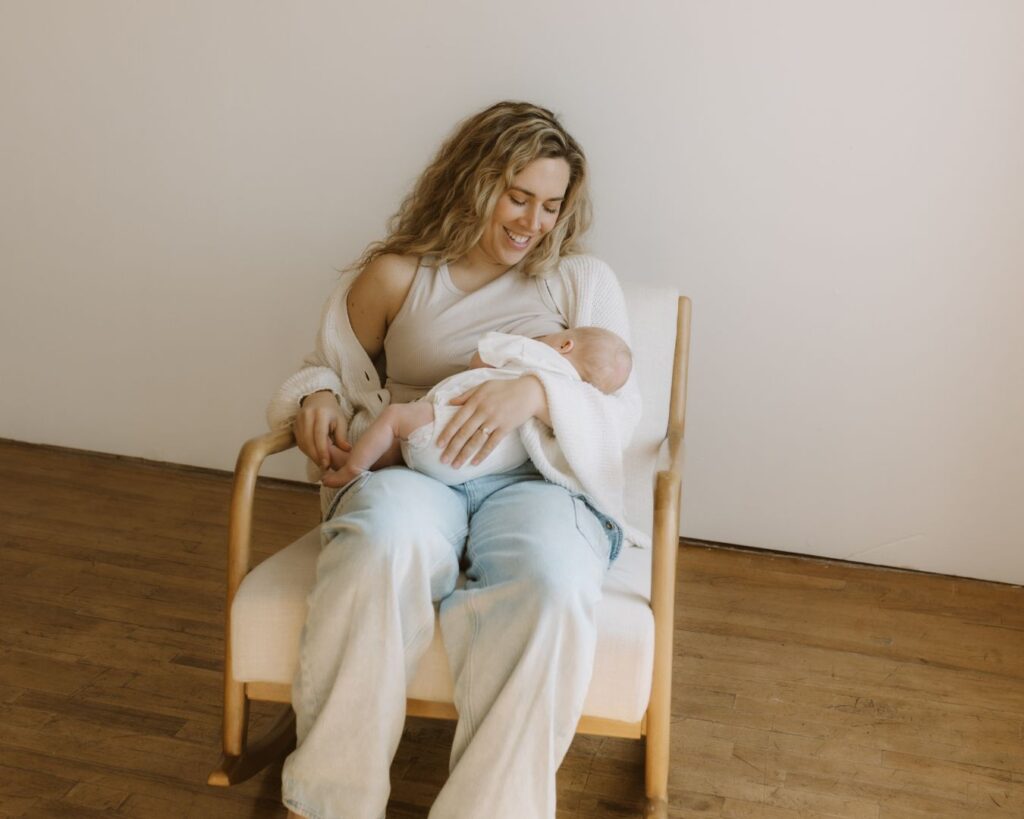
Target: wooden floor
x=802 y=688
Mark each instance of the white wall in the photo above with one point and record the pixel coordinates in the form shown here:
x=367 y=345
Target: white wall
x=839 y=187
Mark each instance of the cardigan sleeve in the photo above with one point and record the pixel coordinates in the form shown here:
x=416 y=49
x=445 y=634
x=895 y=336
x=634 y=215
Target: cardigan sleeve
x=284 y=405
x=595 y=299
x=591 y=430
x=608 y=310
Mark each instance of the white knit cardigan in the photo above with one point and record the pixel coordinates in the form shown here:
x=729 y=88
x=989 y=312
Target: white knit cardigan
x=583 y=453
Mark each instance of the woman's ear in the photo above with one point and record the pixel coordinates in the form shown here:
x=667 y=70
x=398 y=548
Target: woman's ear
x=566 y=346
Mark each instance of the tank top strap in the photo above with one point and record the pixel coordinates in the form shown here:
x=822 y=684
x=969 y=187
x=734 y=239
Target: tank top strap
x=419 y=290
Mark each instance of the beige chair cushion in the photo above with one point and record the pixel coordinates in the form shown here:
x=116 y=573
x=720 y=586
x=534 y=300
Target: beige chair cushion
x=270 y=606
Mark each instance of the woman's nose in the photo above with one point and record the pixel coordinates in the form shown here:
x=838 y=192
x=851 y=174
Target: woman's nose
x=533 y=218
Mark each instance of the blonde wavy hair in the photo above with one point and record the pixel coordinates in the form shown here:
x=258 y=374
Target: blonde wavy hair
x=451 y=203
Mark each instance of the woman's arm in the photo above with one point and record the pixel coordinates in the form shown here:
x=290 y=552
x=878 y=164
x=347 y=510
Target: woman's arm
x=372 y=301
x=489 y=412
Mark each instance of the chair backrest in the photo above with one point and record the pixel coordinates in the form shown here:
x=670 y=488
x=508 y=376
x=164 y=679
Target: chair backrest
x=652 y=324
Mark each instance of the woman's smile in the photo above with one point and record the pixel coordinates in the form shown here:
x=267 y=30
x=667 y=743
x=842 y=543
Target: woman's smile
x=521 y=242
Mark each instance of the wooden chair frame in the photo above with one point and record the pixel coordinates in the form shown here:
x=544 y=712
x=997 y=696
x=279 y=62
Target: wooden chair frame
x=242 y=759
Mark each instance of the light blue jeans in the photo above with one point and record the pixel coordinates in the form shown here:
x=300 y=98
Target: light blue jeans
x=520 y=639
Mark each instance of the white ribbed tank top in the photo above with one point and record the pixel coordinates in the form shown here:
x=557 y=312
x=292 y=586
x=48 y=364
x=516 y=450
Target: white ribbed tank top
x=437 y=328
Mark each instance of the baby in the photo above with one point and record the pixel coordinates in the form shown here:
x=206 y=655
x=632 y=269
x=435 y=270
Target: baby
x=408 y=432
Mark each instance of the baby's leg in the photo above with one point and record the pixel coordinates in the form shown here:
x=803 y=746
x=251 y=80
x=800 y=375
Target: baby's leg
x=380 y=445
x=404 y=419
x=410 y=417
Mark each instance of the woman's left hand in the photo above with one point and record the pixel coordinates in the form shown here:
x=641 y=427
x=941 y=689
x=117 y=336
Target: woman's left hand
x=488 y=413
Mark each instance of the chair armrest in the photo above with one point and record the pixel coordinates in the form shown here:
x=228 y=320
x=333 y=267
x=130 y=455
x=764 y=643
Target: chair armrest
x=668 y=485
x=665 y=545
x=243 y=488
x=251 y=457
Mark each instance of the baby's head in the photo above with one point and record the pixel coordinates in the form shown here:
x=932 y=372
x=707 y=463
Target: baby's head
x=599 y=356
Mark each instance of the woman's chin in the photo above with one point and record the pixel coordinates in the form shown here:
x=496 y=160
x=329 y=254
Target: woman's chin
x=514 y=255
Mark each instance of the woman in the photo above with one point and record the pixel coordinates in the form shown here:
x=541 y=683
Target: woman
x=487 y=240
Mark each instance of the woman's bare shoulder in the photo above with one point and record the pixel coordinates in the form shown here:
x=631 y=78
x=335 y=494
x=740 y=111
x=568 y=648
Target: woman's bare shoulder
x=391 y=268
x=385 y=281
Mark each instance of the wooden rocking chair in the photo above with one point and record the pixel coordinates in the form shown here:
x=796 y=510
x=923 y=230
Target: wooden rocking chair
x=631 y=687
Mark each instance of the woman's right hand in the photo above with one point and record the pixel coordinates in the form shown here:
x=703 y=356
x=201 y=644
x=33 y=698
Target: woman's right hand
x=319 y=424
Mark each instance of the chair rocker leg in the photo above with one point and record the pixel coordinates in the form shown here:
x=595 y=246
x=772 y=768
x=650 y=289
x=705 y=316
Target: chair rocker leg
x=255 y=756
x=656 y=766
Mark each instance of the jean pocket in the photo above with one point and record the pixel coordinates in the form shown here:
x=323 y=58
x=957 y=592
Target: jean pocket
x=592 y=529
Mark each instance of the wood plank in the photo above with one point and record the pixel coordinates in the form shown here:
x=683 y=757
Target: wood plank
x=802 y=688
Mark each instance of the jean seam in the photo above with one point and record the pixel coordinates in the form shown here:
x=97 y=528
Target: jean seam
x=467 y=489
x=440 y=562
x=420 y=631
x=301 y=807
x=427 y=626
x=482 y=580
x=475 y=619
x=345 y=492
x=309 y=692
x=576 y=502
x=456 y=541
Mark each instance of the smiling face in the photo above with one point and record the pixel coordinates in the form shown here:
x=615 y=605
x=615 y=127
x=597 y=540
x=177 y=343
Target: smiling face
x=525 y=212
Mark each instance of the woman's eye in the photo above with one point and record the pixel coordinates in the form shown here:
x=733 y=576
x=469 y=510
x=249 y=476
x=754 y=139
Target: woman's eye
x=516 y=201
x=550 y=210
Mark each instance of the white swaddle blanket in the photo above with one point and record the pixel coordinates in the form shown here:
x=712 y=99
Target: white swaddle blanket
x=510 y=357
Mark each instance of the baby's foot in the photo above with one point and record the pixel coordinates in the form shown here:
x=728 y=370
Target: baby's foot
x=341 y=477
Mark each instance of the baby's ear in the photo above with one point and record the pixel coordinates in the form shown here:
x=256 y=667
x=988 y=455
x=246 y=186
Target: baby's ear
x=567 y=346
